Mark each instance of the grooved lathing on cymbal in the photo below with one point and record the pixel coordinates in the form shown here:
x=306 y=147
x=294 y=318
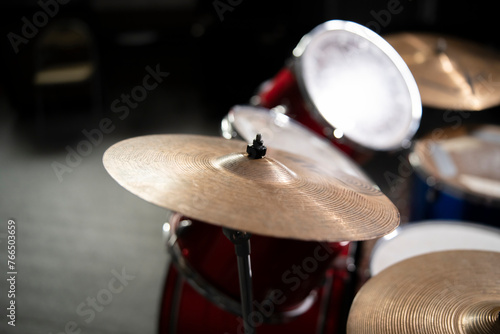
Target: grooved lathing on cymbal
x=442 y=292
x=211 y=179
x=261 y=170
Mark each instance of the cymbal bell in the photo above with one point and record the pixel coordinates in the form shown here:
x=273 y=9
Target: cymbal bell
x=443 y=292
x=451 y=73
x=281 y=195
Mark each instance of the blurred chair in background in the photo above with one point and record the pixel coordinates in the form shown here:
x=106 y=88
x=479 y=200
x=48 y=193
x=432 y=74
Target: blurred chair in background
x=66 y=78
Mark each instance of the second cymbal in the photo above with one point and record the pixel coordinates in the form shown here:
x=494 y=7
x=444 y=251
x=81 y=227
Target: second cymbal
x=282 y=195
x=449 y=292
x=451 y=73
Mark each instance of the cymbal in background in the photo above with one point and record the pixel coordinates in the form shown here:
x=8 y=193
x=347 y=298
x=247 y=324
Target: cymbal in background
x=451 y=73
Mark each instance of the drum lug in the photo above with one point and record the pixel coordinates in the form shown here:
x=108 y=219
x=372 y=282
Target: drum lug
x=431 y=195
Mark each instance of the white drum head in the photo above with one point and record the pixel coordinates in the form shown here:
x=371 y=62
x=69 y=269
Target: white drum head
x=281 y=132
x=431 y=236
x=356 y=82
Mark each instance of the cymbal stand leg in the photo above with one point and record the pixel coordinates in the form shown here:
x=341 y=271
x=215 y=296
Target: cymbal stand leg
x=241 y=241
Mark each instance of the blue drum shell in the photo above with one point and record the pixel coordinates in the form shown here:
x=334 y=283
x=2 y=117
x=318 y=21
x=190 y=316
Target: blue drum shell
x=440 y=201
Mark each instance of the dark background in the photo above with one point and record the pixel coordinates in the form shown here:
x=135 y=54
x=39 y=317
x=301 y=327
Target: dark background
x=73 y=232
x=220 y=61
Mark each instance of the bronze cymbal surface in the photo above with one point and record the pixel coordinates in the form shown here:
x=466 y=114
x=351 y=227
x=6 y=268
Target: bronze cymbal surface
x=463 y=161
x=449 y=292
x=281 y=195
x=451 y=73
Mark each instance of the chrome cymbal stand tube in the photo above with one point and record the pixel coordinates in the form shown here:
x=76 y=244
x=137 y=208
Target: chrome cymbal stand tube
x=241 y=241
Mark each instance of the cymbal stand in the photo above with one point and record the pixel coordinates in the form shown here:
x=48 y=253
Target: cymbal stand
x=241 y=241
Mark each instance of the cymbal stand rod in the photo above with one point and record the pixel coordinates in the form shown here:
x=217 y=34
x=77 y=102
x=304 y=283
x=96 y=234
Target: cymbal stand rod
x=241 y=241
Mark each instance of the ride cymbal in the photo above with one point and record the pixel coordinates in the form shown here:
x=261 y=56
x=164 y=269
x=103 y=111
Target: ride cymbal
x=449 y=292
x=451 y=73
x=281 y=195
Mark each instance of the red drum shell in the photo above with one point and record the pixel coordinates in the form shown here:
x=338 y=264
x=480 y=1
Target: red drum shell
x=184 y=310
x=293 y=269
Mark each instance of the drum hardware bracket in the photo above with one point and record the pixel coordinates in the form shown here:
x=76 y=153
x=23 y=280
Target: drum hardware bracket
x=257 y=150
x=241 y=241
x=441 y=46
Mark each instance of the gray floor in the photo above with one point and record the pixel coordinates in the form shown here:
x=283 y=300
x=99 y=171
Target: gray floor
x=74 y=236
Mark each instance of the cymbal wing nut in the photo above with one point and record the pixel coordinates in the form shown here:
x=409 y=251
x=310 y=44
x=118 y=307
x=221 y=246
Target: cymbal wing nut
x=257 y=150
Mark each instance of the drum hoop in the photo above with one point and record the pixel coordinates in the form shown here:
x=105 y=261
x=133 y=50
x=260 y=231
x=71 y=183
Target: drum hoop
x=228 y=128
x=219 y=298
x=450 y=189
x=198 y=282
x=388 y=50
x=429 y=222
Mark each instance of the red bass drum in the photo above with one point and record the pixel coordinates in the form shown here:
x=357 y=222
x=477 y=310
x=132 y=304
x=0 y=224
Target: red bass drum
x=298 y=285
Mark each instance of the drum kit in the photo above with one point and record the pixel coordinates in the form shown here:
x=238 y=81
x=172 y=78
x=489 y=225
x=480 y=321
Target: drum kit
x=265 y=220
